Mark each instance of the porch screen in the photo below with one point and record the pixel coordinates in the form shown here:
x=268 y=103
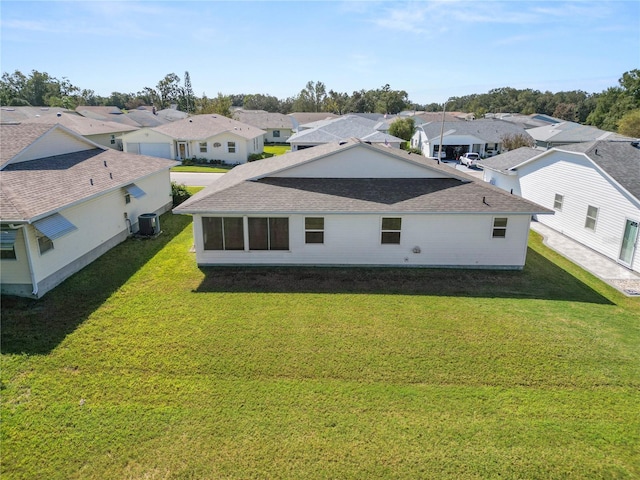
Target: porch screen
x=268 y=233
x=223 y=233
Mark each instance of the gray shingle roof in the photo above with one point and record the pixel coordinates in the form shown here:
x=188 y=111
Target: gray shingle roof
x=343 y=128
x=507 y=160
x=15 y=138
x=82 y=125
x=34 y=188
x=571 y=132
x=201 y=127
x=252 y=188
x=489 y=130
x=263 y=120
x=620 y=159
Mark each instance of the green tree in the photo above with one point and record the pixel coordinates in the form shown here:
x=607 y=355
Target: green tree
x=391 y=101
x=187 y=98
x=403 y=128
x=168 y=91
x=629 y=124
x=268 y=103
x=516 y=140
x=311 y=98
x=220 y=105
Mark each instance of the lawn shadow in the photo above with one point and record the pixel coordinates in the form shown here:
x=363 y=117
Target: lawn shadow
x=540 y=279
x=37 y=326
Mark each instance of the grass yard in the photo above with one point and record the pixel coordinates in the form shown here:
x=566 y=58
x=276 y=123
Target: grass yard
x=143 y=366
x=199 y=169
x=277 y=149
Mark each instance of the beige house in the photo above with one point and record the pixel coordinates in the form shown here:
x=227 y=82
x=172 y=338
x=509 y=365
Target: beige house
x=66 y=200
x=210 y=137
x=102 y=132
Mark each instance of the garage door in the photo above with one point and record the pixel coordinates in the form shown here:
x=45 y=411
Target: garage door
x=162 y=150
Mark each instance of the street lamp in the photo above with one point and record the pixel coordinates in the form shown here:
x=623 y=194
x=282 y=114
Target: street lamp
x=444 y=107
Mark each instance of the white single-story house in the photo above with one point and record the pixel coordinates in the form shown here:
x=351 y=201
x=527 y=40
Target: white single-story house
x=210 y=137
x=594 y=188
x=360 y=204
x=66 y=200
x=343 y=128
x=278 y=127
x=459 y=137
x=102 y=132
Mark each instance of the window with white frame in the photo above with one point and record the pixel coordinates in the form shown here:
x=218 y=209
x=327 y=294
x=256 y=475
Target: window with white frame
x=314 y=230
x=231 y=147
x=390 y=231
x=592 y=217
x=113 y=139
x=203 y=147
x=558 y=201
x=276 y=133
x=499 y=227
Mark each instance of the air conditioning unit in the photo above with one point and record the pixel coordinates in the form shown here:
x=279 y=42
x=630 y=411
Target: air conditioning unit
x=148 y=224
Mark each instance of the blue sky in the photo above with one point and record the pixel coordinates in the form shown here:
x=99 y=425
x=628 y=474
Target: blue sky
x=431 y=49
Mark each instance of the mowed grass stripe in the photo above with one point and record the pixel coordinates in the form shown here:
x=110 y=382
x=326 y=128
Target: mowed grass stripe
x=164 y=370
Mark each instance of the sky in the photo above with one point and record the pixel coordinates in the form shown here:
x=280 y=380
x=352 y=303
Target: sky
x=433 y=50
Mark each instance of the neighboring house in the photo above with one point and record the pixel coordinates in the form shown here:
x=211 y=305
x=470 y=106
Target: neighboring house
x=136 y=118
x=101 y=132
x=566 y=133
x=460 y=137
x=593 y=187
x=498 y=170
x=302 y=118
x=355 y=203
x=344 y=128
x=17 y=115
x=212 y=137
x=65 y=200
x=278 y=127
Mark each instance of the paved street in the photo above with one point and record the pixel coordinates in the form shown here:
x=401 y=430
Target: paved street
x=194 y=179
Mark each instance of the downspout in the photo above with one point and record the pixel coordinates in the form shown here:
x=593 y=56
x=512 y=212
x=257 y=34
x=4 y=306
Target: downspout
x=32 y=274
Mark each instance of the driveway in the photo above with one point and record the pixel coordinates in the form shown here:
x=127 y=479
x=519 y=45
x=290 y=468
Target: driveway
x=194 y=179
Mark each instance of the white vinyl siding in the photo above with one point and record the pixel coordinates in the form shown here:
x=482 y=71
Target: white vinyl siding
x=580 y=183
x=442 y=240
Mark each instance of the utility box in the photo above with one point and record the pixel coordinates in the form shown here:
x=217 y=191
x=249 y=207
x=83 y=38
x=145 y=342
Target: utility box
x=148 y=224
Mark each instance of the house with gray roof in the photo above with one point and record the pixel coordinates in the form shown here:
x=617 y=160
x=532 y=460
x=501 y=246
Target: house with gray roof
x=65 y=200
x=566 y=133
x=361 y=204
x=102 y=132
x=209 y=137
x=459 y=137
x=278 y=127
x=342 y=128
x=593 y=187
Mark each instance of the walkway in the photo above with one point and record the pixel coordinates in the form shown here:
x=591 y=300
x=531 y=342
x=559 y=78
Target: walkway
x=619 y=277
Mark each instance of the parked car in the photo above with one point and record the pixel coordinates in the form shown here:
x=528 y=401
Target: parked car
x=491 y=152
x=470 y=159
x=443 y=154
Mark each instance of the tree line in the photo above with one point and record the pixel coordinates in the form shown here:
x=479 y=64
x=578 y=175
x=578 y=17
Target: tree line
x=614 y=109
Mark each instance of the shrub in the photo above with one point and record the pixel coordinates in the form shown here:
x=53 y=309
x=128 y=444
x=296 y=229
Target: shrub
x=259 y=156
x=179 y=193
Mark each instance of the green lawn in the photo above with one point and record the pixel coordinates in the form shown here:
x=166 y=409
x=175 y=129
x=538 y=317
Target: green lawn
x=200 y=169
x=143 y=366
x=277 y=149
